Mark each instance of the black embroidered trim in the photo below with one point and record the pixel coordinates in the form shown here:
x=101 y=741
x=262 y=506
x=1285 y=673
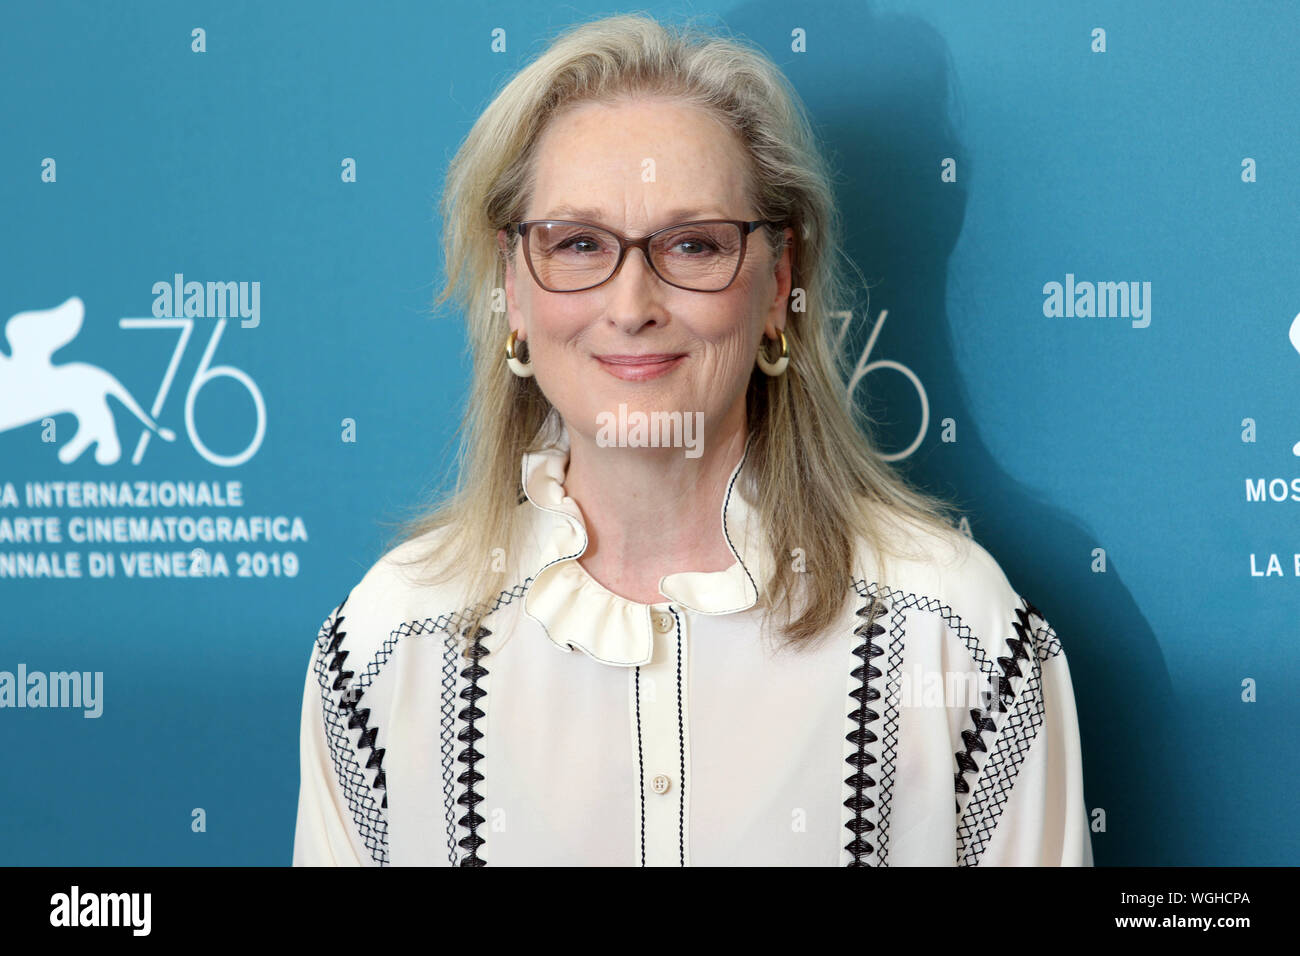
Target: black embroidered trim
x=861 y=735
x=889 y=732
x=983 y=808
x=470 y=756
x=997 y=699
x=640 y=761
x=980 y=816
x=341 y=715
x=448 y=625
x=897 y=603
x=681 y=751
x=726 y=503
x=371 y=817
x=359 y=718
x=1045 y=639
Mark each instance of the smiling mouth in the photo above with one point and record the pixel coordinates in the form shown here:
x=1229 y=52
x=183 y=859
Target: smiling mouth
x=640 y=367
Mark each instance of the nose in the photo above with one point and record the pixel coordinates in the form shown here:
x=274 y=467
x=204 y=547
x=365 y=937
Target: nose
x=633 y=296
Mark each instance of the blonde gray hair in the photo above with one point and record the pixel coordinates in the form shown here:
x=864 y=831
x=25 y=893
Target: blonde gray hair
x=818 y=481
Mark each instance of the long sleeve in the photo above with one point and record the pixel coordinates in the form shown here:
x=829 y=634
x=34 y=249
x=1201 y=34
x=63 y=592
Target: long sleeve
x=325 y=834
x=1026 y=804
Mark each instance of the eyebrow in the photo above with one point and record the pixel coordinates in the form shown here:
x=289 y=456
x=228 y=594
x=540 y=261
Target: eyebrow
x=671 y=217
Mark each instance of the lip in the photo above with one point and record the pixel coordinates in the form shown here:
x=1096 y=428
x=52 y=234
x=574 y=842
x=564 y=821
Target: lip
x=639 y=368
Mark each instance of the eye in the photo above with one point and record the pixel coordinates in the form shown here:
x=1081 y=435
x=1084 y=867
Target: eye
x=694 y=245
x=701 y=245
x=700 y=241
x=591 y=242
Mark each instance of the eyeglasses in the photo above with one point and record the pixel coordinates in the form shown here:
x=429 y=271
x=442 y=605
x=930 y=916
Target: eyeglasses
x=704 y=256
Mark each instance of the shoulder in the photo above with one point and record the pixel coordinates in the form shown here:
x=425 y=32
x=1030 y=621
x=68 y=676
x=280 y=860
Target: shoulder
x=946 y=572
x=395 y=595
x=933 y=560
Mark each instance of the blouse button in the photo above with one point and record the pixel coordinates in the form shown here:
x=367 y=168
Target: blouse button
x=660 y=783
x=663 y=622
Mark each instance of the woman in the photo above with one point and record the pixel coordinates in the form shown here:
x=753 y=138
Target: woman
x=677 y=610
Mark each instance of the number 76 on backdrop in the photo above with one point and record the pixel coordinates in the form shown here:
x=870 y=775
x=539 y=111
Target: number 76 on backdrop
x=865 y=368
x=204 y=374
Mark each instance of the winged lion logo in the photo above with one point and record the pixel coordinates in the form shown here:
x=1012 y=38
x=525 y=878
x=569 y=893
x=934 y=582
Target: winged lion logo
x=33 y=388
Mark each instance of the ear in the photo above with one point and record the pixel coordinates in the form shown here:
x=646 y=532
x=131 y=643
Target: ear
x=512 y=308
x=780 y=305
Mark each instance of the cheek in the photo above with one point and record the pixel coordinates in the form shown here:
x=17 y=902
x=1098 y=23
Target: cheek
x=555 y=335
x=553 y=324
x=734 y=327
x=726 y=358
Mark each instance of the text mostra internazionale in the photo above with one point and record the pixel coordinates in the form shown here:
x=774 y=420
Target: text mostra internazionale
x=123 y=494
x=138 y=528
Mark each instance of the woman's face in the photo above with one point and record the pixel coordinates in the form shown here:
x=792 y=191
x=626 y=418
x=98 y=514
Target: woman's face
x=635 y=168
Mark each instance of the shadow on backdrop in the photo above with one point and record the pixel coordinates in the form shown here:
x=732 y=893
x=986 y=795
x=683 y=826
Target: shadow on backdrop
x=878 y=91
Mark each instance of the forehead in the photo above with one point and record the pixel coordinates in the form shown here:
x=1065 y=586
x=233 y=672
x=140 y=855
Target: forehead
x=627 y=163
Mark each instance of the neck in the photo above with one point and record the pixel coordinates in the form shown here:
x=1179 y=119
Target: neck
x=653 y=511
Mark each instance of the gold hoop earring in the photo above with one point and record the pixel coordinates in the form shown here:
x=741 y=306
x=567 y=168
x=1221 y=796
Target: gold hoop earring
x=522 y=369
x=779 y=366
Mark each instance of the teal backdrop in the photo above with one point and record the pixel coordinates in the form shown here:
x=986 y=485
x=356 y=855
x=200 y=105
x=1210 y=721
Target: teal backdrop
x=1134 y=470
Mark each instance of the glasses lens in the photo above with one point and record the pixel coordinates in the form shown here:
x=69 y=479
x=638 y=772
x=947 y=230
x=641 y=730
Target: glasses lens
x=569 y=256
x=701 y=256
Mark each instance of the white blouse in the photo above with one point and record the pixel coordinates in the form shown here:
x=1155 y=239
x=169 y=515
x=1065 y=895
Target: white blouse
x=678 y=735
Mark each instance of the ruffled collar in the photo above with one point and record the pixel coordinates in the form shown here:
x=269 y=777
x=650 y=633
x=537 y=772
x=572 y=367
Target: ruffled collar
x=576 y=611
